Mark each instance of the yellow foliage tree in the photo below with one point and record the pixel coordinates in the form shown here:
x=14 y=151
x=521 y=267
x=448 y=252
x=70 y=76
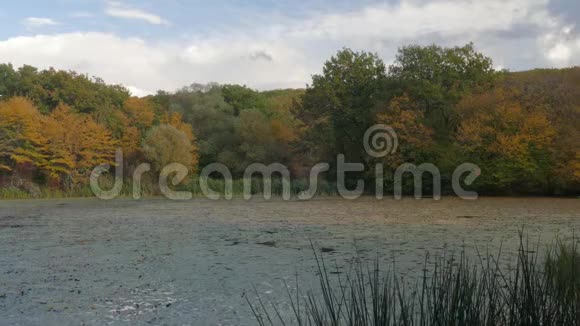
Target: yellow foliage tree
x=175 y=120
x=413 y=136
x=140 y=111
x=76 y=145
x=513 y=143
x=129 y=135
x=20 y=137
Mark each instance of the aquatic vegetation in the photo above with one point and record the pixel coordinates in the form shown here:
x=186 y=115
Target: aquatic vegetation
x=452 y=291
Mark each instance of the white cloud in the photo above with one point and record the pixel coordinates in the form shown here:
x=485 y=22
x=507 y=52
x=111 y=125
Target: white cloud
x=567 y=30
x=560 y=53
x=561 y=47
x=410 y=19
x=117 y=9
x=135 y=91
x=298 y=48
x=147 y=67
x=38 y=22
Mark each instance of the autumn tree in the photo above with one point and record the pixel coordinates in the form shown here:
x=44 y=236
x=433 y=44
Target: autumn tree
x=510 y=143
x=140 y=111
x=447 y=105
x=415 y=140
x=175 y=120
x=74 y=151
x=21 y=141
x=556 y=92
x=127 y=133
x=437 y=78
x=280 y=107
x=165 y=144
x=205 y=109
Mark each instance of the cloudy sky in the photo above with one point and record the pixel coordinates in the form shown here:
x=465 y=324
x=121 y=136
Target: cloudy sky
x=148 y=45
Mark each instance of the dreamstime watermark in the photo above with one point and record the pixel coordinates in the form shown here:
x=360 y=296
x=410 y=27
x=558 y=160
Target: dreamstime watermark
x=379 y=141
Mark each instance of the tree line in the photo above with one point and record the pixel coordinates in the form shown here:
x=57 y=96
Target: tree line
x=447 y=105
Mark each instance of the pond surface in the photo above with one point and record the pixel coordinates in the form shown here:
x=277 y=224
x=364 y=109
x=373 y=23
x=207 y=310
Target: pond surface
x=85 y=261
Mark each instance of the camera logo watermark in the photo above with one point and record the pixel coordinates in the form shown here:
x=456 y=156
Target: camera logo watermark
x=379 y=141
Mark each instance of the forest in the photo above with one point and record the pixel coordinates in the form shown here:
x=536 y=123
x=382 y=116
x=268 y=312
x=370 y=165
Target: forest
x=447 y=105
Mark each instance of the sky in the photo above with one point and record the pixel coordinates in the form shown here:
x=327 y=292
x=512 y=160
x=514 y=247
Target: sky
x=265 y=44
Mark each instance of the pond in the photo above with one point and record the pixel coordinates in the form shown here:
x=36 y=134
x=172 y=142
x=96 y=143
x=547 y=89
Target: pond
x=85 y=261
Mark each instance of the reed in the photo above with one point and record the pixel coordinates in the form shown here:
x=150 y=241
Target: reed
x=538 y=290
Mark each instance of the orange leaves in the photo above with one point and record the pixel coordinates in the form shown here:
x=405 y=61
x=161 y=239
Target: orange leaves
x=96 y=146
x=140 y=111
x=512 y=138
x=497 y=123
x=20 y=138
x=175 y=120
x=61 y=130
x=283 y=131
x=19 y=110
x=539 y=129
x=137 y=116
x=76 y=144
x=414 y=137
x=60 y=144
x=129 y=135
x=66 y=146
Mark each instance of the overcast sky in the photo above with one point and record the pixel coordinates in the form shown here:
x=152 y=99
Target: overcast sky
x=149 y=45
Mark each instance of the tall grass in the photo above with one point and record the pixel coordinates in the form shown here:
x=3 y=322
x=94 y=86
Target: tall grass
x=149 y=188
x=257 y=186
x=452 y=291
x=13 y=193
x=80 y=191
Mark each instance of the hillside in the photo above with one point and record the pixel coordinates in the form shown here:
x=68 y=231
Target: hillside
x=520 y=128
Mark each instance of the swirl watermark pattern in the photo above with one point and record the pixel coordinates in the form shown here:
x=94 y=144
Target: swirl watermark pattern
x=380 y=140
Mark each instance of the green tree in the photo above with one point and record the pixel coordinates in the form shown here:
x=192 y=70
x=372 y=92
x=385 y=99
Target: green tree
x=340 y=104
x=49 y=88
x=243 y=98
x=212 y=118
x=437 y=78
x=8 y=81
x=165 y=144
